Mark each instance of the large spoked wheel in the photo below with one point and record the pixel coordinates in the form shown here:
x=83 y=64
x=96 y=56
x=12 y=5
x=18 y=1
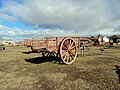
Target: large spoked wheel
x=68 y=50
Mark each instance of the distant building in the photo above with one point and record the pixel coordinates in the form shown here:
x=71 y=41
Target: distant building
x=9 y=42
x=115 y=39
x=100 y=40
x=106 y=39
x=85 y=40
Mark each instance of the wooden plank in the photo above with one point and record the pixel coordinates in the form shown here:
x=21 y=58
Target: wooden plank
x=50 y=43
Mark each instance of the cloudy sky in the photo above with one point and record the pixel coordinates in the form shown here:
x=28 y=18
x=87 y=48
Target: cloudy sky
x=21 y=19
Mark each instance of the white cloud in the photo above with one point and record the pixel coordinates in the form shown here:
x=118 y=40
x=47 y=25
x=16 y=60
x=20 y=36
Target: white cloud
x=18 y=34
x=7 y=17
x=71 y=17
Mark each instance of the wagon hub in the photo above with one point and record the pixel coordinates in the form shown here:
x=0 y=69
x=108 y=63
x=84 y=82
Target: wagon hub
x=69 y=50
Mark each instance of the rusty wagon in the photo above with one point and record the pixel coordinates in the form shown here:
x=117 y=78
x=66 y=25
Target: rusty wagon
x=64 y=47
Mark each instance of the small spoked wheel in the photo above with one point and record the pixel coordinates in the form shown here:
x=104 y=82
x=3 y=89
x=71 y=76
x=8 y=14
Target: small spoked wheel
x=51 y=54
x=68 y=51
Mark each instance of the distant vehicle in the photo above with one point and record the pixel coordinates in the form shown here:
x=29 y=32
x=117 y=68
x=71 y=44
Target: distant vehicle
x=2 y=47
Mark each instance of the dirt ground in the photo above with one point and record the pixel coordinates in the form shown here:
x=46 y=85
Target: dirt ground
x=22 y=70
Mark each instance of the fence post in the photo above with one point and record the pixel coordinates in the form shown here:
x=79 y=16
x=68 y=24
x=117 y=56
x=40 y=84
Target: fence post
x=82 y=47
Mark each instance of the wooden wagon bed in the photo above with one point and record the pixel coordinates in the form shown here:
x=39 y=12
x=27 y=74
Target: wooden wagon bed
x=65 y=47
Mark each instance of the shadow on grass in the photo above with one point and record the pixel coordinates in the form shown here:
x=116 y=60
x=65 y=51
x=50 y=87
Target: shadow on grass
x=28 y=52
x=39 y=60
x=117 y=70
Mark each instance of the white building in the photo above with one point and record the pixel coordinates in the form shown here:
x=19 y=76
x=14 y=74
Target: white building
x=105 y=39
x=9 y=42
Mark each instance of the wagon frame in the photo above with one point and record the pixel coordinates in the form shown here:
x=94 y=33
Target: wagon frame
x=64 y=47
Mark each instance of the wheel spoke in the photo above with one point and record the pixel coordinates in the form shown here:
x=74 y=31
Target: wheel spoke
x=69 y=58
x=64 y=54
x=70 y=42
x=73 y=47
x=67 y=43
x=65 y=57
x=64 y=47
x=71 y=55
x=63 y=51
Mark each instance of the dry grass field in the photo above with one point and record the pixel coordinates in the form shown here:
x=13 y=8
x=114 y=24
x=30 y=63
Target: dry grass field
x=20 y=70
